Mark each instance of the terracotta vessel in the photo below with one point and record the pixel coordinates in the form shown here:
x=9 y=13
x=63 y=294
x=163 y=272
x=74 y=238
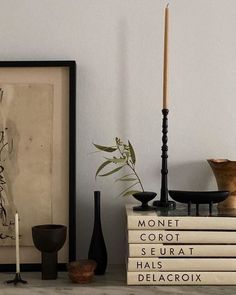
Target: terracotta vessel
x=225 y=174
x=81 y=271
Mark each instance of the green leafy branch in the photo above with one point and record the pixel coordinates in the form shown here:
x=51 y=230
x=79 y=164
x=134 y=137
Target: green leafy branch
x=125 y=158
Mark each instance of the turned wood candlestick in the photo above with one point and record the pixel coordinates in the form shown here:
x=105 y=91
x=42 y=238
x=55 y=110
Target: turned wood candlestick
x=164 y=202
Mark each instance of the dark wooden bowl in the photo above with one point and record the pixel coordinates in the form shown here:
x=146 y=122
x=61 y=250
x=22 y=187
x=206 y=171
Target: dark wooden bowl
x=144 y=198
x=195 y=197
x=49 y=237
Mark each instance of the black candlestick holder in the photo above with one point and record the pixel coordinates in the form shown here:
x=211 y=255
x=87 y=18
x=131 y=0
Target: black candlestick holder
x=17 y=279
x=164 y=202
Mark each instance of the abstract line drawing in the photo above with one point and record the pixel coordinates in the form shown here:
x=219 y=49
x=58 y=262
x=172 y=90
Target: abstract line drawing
x=6 y=148
x=26 y=123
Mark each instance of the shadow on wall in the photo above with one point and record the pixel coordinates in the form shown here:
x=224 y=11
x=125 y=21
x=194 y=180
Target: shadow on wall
x=192 y=176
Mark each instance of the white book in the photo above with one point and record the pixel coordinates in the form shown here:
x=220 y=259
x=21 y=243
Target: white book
x=155 y=220
x=181 y=237
x=160 y=250
x=181 y=278
x=181 y=264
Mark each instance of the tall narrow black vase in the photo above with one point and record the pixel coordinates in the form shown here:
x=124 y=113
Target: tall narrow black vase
x=97 y=249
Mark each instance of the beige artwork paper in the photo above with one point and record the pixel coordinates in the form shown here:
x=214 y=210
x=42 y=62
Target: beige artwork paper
x=26 y=117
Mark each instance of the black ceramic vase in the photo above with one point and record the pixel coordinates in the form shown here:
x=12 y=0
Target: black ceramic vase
x=144 y=198
x=97 y=249
x=49 y=239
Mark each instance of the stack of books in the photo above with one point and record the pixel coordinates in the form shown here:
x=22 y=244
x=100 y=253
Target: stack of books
x=171 y=248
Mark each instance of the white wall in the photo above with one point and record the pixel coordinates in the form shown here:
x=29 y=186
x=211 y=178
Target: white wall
x=118 y=48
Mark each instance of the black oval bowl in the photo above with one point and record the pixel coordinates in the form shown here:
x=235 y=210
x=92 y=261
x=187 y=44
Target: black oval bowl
x=195 y=197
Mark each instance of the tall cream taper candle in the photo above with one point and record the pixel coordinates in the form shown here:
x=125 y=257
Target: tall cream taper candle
x=165 y=63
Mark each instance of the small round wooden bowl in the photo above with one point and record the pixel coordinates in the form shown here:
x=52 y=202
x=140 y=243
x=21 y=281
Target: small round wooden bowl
x=81 y=271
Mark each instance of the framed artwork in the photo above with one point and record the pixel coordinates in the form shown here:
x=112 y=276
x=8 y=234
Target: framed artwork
x=37 y=156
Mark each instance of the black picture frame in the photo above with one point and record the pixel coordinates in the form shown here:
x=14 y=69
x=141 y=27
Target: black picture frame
x=71 y=65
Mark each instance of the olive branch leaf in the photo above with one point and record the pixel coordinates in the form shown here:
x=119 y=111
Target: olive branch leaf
x=124 y=157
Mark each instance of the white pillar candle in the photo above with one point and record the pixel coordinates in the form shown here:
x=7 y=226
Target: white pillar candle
x=17 y=243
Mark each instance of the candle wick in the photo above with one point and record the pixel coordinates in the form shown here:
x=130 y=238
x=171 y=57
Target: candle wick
x=167 y=5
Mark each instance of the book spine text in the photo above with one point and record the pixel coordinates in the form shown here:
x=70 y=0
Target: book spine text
x=181 y=278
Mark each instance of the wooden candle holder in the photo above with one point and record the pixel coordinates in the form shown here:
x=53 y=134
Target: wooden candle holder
x=164 y=202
